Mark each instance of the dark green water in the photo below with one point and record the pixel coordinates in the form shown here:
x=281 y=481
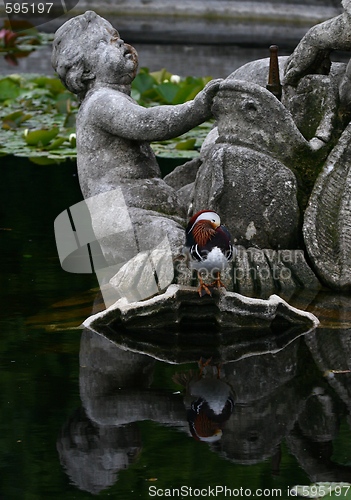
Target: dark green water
x=79 y=417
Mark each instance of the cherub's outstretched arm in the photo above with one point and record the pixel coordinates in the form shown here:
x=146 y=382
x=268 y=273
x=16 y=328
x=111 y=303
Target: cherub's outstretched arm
x=316 y=46
x=120 y=116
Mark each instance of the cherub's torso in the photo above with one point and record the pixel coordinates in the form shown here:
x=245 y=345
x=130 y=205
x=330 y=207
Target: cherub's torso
x=104 y=159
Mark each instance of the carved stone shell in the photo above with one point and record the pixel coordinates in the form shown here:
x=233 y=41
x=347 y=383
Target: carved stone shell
x=327 y=224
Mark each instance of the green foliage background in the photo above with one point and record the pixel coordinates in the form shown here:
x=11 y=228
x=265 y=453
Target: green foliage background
x=37 y=116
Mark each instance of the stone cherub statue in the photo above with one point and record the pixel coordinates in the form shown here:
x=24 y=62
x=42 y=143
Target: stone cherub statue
x=113 y=131
x=113 y=139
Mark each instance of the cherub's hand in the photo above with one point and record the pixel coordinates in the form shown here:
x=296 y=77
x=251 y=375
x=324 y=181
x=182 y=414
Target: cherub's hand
x=205 y=98
x=303 y=58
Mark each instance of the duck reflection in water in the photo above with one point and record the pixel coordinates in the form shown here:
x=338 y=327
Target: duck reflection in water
x=209 y=400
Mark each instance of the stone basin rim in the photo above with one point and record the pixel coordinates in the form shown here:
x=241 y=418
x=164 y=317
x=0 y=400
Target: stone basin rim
x=123 y=308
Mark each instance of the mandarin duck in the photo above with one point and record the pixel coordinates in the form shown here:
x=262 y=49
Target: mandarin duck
x=209 y=400
x=208 y=248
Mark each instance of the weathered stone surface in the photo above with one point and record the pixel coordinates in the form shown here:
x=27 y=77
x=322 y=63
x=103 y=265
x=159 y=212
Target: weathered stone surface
x=312 y=55
x=327 y=218
x=183 y=305
x=260 y=272
x=183 y=175
x=249 y=115
x=182 y=179
x=315 y=108
x=250 y=166
x=136 y=280
x=185 y=195
x=327 y=223
x=234 y=181
x=314 y=104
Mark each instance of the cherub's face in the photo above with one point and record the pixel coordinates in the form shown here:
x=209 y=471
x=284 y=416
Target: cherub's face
x=114 y=60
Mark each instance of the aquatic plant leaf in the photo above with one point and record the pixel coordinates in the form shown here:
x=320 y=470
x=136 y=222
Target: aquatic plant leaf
x=150 y=97
x=40 y=138
x=13 y=120
x=168 y=91
x=56 y=144
x=135 y=94
x=143 y=82
x=9 y=89
x=54 y=85
x=186 y=93
x=161 y=75
x=186 y=145
x=70 y=121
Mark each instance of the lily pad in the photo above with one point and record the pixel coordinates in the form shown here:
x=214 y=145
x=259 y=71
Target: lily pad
x=168 y=91
x=40 y=138
x=186 y=145
x=13 y=120
x=9 y=89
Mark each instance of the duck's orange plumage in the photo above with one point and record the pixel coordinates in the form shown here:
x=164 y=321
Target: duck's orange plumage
x=208 y=244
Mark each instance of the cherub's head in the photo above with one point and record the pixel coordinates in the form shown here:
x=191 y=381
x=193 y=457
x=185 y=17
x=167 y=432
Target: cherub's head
x=88 y=50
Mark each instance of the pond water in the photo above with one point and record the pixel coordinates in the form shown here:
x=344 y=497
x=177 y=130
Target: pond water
x=81 y=415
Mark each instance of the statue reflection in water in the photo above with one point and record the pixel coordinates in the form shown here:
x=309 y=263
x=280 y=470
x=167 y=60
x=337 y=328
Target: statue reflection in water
x=243 y=408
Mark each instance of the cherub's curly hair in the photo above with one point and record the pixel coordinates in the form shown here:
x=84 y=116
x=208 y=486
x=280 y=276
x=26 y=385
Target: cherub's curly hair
x=71 y=46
